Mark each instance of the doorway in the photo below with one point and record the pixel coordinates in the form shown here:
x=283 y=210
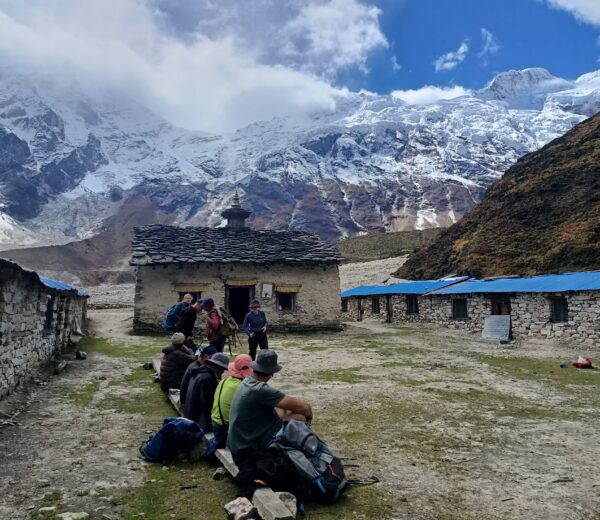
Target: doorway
x=389 y=309
x=237 y=300
x=500 y=305
x=360 y=310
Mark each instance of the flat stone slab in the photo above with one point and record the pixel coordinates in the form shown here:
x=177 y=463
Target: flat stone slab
x=226 y=459
x=270 y=506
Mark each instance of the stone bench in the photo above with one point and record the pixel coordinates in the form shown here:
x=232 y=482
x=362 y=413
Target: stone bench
x=265 y=500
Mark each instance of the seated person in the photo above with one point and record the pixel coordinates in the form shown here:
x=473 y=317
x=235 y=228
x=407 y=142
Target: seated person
x=257 y=410
x=238 y=369
x=177 y=357
x=201 y=390
x=202 y=354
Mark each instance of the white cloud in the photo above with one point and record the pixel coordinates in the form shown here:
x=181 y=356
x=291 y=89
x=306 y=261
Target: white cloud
x=451 y=60
x=585 y=10
x=198 y=71
x=489 y=44
x=429 y=94
x=333 y=35
x=395 y=65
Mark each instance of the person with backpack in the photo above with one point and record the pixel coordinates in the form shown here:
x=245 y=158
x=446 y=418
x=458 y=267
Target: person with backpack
x=255 y=325
x=239 y=368
x=187 y=320
x=213 y=323
x=202 y=354
x=201 y=390
x=176 y=358
x=174 y=312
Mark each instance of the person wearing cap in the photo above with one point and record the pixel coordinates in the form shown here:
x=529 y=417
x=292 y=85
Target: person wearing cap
x=201 y=390
x=187 y=320
x=238 y=369
x=255 y=325
x=257 y=410
x=202 y=354
x=177 y=357
x=213 y=324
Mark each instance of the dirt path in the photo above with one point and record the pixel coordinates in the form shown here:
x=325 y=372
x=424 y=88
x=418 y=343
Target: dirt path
x=453 y=427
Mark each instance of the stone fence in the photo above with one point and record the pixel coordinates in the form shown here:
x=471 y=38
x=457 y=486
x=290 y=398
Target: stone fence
x=37 y=318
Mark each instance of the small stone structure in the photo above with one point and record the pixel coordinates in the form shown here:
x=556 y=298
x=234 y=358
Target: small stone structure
x=294 y=274
x=552 y=306
x=37 y=318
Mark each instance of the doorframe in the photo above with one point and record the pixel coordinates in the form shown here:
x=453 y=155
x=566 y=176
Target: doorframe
x=227 y=287
x=389 y=308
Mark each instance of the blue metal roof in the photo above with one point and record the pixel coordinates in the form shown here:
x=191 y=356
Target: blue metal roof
x=61 y=286
x=419 y=287
x=548 y=283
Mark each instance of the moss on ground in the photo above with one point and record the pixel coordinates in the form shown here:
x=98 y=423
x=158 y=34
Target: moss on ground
x=102 y=346
x=84 y=395
x=342 y=375
x=52 y=499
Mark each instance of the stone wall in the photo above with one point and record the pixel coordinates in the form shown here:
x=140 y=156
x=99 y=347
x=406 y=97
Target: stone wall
x=35 y=322
x=317 y=302
x=530 y=313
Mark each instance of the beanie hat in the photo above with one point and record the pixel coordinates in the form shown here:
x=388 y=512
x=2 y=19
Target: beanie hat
x=178 y=338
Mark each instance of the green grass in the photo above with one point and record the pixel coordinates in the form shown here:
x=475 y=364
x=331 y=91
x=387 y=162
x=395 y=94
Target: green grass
x=84 y=395
x=53 y=499
x=102 y=346
x=544 y=370
x=342 y=375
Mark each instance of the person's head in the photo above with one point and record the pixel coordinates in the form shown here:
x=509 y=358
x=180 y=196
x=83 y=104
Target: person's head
x=197 y=306
x=208 y=304
x=178 y=338
x=203 y=353
x=265 y=365
x=254 y=306
x=187 y=298
x=240 y=366
x=218 y=363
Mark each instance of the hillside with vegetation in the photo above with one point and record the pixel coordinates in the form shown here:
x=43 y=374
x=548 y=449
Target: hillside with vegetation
x=378 y=246
x=542 y=216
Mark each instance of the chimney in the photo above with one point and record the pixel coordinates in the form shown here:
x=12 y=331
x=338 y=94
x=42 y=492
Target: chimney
x=236 y=215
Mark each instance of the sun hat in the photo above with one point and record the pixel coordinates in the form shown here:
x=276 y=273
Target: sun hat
x=240 y=366
x=207 y=350
x=254 y=303
x=266 y=362
x=219 y=359
x=178 y=338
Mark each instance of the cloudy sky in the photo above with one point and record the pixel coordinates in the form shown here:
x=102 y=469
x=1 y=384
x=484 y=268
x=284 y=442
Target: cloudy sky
x=219 y=64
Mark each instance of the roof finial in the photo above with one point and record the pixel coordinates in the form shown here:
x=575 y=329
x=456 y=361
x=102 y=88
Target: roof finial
x=236 y=200
x=236 y=215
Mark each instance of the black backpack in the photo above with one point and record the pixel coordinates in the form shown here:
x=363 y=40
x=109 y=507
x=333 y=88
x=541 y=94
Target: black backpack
x=322 y=478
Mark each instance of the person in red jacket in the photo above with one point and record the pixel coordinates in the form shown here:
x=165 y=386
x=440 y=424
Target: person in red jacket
x=213 y=325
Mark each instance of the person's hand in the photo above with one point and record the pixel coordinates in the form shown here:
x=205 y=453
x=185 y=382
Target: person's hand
x=264 y=329
x=251 y=334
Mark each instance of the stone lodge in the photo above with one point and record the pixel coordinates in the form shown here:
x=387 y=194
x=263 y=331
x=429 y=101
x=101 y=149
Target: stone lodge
x=563 y=306
x=38 y=317
x=294 y=274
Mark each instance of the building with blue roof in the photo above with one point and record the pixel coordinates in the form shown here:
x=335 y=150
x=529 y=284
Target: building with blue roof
x=559 y=306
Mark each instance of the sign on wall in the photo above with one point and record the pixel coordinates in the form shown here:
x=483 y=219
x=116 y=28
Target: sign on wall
x=496 y=328
x=267 y=291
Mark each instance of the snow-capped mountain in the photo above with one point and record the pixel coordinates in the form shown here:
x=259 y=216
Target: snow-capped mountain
x=71 y=157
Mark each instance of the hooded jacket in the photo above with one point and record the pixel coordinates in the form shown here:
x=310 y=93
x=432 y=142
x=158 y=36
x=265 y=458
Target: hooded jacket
x=197 y=398
x=175 y=361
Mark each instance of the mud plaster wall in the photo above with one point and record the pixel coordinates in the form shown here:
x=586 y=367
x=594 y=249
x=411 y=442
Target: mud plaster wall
x=35 y=323
x=317 y=303
x=530 y=314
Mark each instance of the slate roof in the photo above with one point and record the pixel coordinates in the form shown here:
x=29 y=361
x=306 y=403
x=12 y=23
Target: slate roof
x=158 y=244
x=547 y=283
x=411 y=287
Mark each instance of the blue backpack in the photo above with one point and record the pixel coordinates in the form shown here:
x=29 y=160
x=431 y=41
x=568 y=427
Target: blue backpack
x=176 y=435
x=170 y=320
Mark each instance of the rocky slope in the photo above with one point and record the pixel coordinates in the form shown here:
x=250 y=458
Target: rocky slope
x=542 y=216
x=71 y=157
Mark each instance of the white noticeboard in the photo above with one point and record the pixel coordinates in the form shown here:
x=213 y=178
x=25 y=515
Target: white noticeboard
x=267 y=291
x=496 y=328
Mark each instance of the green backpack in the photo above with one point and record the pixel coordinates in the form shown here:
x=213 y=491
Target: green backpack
x=229 y=327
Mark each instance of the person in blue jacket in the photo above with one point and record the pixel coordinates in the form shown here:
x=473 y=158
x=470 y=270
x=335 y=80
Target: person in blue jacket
x=255 y=325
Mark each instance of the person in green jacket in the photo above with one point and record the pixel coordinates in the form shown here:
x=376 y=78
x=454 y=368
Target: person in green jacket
x=238 y=370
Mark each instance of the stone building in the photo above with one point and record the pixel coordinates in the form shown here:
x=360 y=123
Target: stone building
x=294 y=274
x=37 y=318
x=396 y=303
x=551 y=306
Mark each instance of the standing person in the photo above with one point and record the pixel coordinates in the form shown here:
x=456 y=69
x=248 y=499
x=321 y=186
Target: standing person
x=174 y=313
x=239 y=368
x=201 y=390
x=186 y=322
x=177 y=357
x=213 y=324
x=255 y=325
